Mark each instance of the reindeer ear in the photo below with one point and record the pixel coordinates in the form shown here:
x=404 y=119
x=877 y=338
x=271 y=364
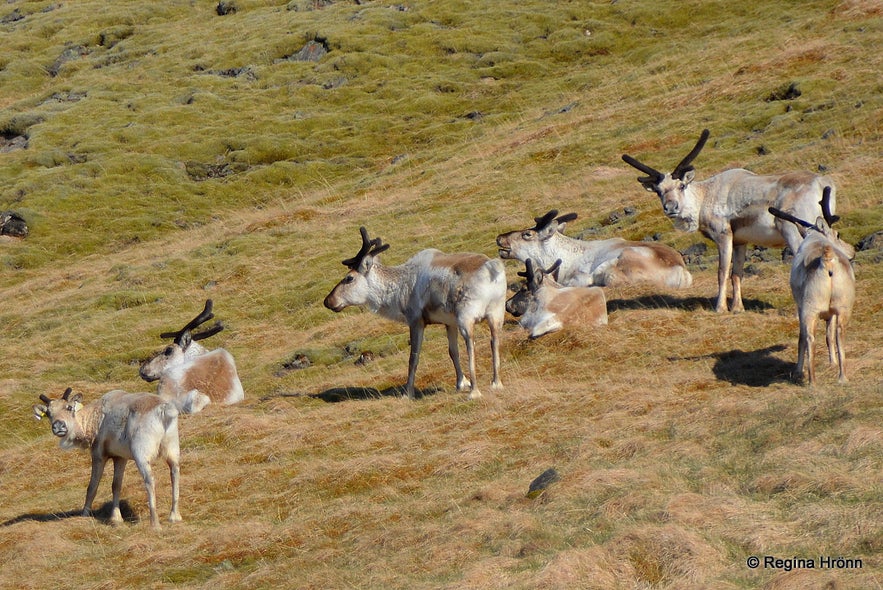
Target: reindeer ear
x=40 y=411
x=689 y=175
x=185 y=340
x=549 y=230
x=648 y=183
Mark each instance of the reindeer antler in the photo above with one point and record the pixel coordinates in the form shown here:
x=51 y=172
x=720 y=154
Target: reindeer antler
x=66 y=393
x=788 y=217
x=553 y=269
x=369 y=248
x=218 y=327
x=684 y=166
x=542 y=222
x=830 y=218
x=653 y=175
x=545 y=220
x=204 y=316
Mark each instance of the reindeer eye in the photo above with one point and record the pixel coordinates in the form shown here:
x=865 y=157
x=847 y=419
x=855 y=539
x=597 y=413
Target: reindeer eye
x=528 y=235
x=168 y=351
x=348 y=279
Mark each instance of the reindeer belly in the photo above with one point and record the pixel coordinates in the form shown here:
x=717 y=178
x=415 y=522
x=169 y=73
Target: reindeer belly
x=760 y=235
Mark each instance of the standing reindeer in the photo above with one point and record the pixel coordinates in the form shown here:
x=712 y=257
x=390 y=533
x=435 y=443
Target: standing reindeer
x=823 y=285
x=191 y=375
x=122 y=426
x=600 y=263
x=432 y=287
x=731 y=209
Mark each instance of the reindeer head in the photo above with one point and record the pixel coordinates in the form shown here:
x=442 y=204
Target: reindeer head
x=61 y=412
x=678 y=204
x=526 y=296
x=532 y=242
x=823 y=225
x=352 y=289
x=183 y=343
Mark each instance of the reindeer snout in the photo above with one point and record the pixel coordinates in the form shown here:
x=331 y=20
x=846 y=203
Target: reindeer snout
x=59 y=428
x=147 y=375
x=671 y=208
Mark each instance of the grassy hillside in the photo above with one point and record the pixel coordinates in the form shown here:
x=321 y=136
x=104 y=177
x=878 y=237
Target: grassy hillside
x=174 y=155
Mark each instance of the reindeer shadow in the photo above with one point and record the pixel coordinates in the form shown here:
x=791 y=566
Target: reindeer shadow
x=755 y=368
x=684 y=303
x=345 y=394
x=101 y=514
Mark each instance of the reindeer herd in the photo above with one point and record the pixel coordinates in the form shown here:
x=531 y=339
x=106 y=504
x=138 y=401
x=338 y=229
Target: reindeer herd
x=564 y=280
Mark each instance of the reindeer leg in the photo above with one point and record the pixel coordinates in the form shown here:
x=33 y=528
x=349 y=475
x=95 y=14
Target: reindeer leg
x=174 y=470
x=147 y=475
x=495 y=323
x=831 y=338
x=801 y=351
x=119 y=468
x=739 y=253
x=809 y=343
x=172 y=453
x=454 y=352
x=725 y=260
x=98 y=463
x=841 y=353
x=416 y=331
x=467 y=329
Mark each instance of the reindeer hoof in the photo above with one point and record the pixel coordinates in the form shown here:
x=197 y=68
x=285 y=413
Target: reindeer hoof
x=474 y=394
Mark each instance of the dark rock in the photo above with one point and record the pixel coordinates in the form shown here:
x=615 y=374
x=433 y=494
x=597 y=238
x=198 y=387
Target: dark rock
x=12 y=143
x=789 y=92
x=364 y=358
x=13 y=224
x=872 y=241
x=225 y=7
x=68 y=55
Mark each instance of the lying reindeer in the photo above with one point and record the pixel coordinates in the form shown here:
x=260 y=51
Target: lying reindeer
x=599 y=263
x=122 y=426
x=432 y=287
x=543 y=306
x=191 y=375
x=823 y=285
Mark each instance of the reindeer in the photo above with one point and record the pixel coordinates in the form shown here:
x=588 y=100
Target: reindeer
x=599 y=262
x=730 y=209
x=432 y=287
x=823 y=285
x=543 y=306
x=121 y=426
x=191 y=375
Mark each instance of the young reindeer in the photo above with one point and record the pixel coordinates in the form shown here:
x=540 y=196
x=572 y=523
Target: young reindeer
x=730 y=209
x=191 y=375
x=823 y=285
x=543 y=306
x=598 y=262
x=121 y=426
x=432 y=287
